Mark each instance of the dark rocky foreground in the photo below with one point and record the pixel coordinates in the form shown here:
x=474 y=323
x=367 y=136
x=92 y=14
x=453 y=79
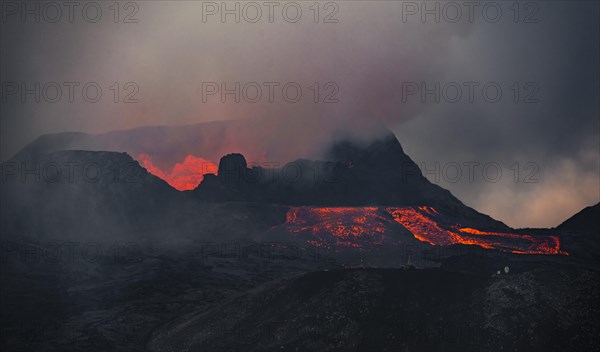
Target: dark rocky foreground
x=245 y=296
x=398 y=310
x=99 y=296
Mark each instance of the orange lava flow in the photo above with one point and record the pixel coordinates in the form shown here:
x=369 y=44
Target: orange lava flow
x=537 y=244
x=342 y=227
x=421 y=222
x=185 y=175
x=362 y=227
x=422 y=227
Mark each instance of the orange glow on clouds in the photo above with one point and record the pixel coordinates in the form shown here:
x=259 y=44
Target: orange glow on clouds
x=185 y=175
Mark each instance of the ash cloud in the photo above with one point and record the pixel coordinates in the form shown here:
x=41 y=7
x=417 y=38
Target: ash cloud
x=370 y=54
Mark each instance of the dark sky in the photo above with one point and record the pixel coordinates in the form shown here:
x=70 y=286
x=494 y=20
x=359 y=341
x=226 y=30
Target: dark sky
x=544 y=56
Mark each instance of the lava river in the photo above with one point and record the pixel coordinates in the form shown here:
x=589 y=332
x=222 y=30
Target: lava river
x=361 y=226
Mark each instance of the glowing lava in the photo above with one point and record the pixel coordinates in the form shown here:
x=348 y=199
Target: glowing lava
x=536 y=244
x=360 y=227
x=185 y=175
x=421 y=222
x=422 y=226
x=339 y=227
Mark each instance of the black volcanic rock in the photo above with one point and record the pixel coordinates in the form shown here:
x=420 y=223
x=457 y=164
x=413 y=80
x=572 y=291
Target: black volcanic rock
x=580 y=234
x=586 y=221
x=232 y=163
x=107 y=196
x=82 y=194
x=233 y=171
x=375 y=174
x=398 y=310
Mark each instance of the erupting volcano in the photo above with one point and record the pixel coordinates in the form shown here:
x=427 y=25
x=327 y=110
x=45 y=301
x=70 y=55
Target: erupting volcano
x=360 y=227
x=367 y=195
x=185 y=175
x=346 y=208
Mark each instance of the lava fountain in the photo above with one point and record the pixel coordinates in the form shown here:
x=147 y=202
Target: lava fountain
x=185 y=175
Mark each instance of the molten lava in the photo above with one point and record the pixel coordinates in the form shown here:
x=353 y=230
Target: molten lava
x=338 y=227
x=537 y=244
x=422 y=226
x=366 y=226
x=185 y=175
x=423 y=223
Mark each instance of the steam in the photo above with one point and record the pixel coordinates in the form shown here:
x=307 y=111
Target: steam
x=354 y=69
x=366 y=58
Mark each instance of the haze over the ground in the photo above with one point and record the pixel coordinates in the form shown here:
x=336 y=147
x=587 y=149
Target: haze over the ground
x=546 y=143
